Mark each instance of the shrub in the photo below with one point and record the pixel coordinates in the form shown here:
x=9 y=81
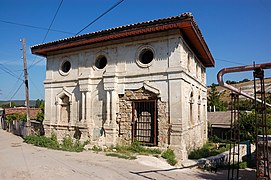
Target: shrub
x=169 y=156
x=96 y=148
x=207 y=150
x=52 y=143
x=42 y=141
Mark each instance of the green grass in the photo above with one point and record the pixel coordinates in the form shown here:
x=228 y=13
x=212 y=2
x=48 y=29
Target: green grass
x=96 y=148
x=42 y=141
x=130 y=152
x=122 y=156
x=137 y=148
x=169 y=156
x=52 y=143
x=208 y=149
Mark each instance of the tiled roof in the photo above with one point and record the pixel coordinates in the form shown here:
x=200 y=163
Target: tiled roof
x=33 y=111
x=220 y=118
x=185 y=22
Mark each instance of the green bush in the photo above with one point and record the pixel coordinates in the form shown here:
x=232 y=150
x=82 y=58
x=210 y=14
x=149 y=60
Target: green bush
x=169 y=156
x=42 y=141
x=207 y=150
x=52 y=143
x=96 y=148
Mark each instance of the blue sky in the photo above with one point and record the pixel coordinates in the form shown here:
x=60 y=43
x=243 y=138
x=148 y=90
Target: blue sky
x=237 y=32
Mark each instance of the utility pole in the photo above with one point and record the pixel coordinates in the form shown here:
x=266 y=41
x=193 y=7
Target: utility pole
x=27 y=132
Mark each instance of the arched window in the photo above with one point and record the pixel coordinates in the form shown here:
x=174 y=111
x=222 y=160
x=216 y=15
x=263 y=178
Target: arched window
x=65 y=109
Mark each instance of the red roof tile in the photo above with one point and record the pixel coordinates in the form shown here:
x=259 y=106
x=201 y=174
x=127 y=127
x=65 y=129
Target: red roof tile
x=185 y=22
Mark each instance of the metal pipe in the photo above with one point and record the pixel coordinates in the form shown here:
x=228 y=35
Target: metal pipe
x=240 y=69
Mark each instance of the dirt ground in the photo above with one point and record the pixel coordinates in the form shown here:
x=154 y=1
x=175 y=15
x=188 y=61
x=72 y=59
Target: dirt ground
x=21 y=161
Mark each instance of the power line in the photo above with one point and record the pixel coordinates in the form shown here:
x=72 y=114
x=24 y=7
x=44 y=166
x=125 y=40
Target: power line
x=35 y=87
x=107 y=11
x=5 y=69
x=229 y=61
x=34 y=27
x=34 y=63
x=15 y=85
x=16 y=91
x=52 y=21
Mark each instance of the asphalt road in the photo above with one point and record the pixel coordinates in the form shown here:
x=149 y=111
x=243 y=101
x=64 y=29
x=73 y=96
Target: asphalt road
x=21 y=161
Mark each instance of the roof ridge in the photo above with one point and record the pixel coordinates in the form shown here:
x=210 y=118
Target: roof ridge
x=183 y=15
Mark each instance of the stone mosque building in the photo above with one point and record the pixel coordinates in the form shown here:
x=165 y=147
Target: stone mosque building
x=141 y=82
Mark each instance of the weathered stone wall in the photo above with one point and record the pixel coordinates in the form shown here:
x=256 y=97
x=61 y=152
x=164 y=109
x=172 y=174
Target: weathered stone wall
x=124 y=118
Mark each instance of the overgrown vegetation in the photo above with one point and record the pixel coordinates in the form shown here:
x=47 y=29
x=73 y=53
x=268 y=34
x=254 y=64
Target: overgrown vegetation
x=169 y=156
x=51 y=142
x=16 y=117
x=40 y=115
x=214 y=100
x=121 y=156
x=96 y=148
x=136 y=147
x=130 y=152
x=208 y=149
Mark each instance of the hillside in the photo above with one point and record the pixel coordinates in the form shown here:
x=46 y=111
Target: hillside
x=20 y=102
x=247 y=87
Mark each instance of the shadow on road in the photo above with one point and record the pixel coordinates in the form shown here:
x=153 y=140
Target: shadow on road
x=220 y=175
x=146 y=174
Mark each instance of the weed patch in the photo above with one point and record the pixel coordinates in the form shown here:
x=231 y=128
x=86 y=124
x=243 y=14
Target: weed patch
x=52 y=143
x=96 y=148
x=169 y=156
x=122 y=156
x=208 y=149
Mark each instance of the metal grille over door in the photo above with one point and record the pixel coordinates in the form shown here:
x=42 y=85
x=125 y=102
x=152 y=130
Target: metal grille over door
x=144 y=126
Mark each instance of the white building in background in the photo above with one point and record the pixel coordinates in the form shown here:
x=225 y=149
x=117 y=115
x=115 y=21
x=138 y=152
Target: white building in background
x=144 y=82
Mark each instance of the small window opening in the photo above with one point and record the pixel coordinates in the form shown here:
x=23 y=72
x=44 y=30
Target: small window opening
x=101 y=62
x=66 y=66
x=146 y=56
x=188 y=61
x=191 y=108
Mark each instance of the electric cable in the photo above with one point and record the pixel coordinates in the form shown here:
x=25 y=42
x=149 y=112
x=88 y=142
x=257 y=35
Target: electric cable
x=107 y=11
x=35 y=27
x=52 y=21
x=16 y=91
x=5 y=69
x=35 y=87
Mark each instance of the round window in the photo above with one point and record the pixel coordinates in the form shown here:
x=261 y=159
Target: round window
x=101 y=62
x=146 y=56
x=66 y=66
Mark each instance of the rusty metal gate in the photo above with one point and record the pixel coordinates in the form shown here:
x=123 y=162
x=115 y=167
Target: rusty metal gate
x=262 y=137
x=263 y=163
x=144 y=122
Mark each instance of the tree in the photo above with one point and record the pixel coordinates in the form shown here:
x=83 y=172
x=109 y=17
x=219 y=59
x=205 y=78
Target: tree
x=214 y=99
x=12 y=104
x=40 y=104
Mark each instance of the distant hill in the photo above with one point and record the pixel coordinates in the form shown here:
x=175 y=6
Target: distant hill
x=247 y=87
x=20 y=102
